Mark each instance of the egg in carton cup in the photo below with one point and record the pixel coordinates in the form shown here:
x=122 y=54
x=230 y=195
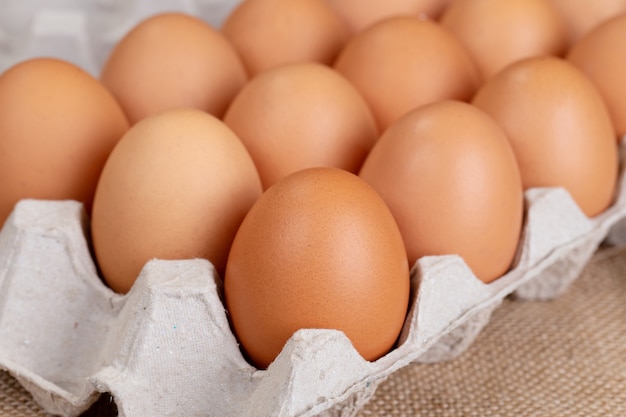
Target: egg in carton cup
x=166 y=347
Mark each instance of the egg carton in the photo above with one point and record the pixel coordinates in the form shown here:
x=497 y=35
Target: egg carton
x=166 y=347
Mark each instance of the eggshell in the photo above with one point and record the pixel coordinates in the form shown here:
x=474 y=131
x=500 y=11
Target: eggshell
x=402 y=63
x=559 y=127
x=58 y=124
x=319 y=249
x=580 y=16
x=509 y=31
x=599 y=54
x=173 y=60
x=359 y=14
x=302 y=115
x=176 y=186
x=268 y=33
x=449 y=176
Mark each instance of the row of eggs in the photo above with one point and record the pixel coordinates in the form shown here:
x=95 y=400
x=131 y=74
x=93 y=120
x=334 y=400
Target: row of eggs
x=196 y=143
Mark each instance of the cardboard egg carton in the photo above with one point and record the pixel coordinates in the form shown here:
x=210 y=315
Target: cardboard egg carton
x=166 y=347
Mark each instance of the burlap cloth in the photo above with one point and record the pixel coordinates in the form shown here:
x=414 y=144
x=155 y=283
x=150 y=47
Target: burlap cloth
x=562 y=358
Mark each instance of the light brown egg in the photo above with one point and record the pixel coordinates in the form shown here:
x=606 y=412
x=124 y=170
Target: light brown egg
x=600 y=55
x=268 y=33
x=319 y=249
x=559 y=127
x=580 y=16
x=173 y=60
x=302 y=115
x=58 y=125
x=402 y=63
x=498 y=33
x=176 y=186
x=449 y=176
x=359 y=14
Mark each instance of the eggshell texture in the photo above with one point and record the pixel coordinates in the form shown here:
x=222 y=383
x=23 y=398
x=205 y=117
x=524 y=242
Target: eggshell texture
x=58 y=125
x=580 y=16
x=176 y=186
x=359 y=14
x=498 y=33
x=319 y=249
x=173 y=60
x=268 y=33
x=403 y=62
x=559 y=127
x=600 y=55
x=302 y=115
x=449 y=176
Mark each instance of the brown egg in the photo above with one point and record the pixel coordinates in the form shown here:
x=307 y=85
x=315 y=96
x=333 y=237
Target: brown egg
x=360 y=14
x=173 y=60
x=176 y=186
x=599 y=54
x=580 y=16
x=319 y=249
x=509 y=31
x=302 y=115
x=58 y=125
x=449 y=176
x=559 y=128
x=403 y=62
x=268 y=33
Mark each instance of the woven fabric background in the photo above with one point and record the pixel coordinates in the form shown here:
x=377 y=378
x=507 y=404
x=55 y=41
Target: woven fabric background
x=561 y=358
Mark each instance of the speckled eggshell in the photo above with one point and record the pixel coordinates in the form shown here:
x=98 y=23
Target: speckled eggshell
x=401 y=63
x=58 y=125
x=319 y=249
x=599 y=54
x=269 y=33
x=449 y=176
x=173 y=60
x=176 y=186
x=302 y=115
x=559 y=127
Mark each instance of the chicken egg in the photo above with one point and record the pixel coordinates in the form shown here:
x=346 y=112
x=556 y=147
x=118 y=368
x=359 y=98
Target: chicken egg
x=449 y=176
x=359 y=14
x=402 y=63
x=302 y=115
x=497 y=33
x=268 y=33
x=58 y=125
x=176 y=186
x=599 y=54
x=319 y=249
x=173 y=60
x=559 y=128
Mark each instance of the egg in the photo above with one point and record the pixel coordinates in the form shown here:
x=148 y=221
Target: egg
x=359 y=14
x=498 y=33
x=559 y=128
x=58 y=125
x=449 y=176
x=302 y=115
x=319 y=249
x=580 y=16
x=402 y=63
x=176 y=186
x=173 y=60
x=269 y=33
x=599 y=55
